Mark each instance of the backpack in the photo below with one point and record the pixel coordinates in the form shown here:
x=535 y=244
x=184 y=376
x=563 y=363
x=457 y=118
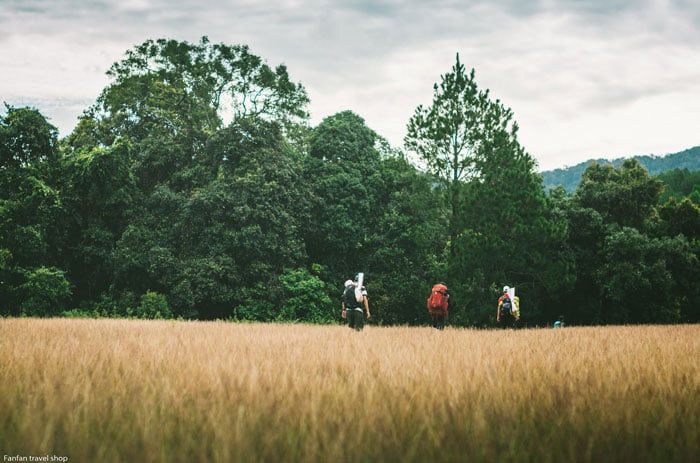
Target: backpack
x=438 y=301
x=349 y=297
x=506 y=305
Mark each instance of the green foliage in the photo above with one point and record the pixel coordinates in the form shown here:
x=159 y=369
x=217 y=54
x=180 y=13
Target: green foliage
x=642 y=278
x=680 y=183
x=78 y=313
x=99 y=189
x=342 y=158
x=29 y=201
x=344 y=137
x=30 y=206
x=193 y=188
x=165 y=86
x=151 y=306
x=680 y=218
x=452 y=136
x=45 y=292
x=305 y=298
x=624 y=196
x=449 y=134
x=192 y=208
x=634 y=260
x=27 y=141
x=255 y=304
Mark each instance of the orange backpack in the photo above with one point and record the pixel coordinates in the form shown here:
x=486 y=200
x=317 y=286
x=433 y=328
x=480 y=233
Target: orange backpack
x=437 y=302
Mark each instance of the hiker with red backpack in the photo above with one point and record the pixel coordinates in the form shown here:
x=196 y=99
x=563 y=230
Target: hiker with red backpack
x=439 y=305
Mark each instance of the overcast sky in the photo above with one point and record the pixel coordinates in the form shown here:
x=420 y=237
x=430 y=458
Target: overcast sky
x=584 y=78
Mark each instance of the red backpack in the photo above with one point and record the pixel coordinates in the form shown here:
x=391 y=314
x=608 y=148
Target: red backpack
x=437 y=302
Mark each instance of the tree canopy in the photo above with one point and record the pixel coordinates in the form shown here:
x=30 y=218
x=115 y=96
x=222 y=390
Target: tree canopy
x=194 y=187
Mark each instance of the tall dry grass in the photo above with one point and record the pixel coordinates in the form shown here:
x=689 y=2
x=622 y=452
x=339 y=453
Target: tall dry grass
x=126 y=391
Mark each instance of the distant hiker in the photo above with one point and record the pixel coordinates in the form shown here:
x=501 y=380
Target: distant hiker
x=439 y=305
x=355 y=303
x=508 y=311
x=560 y=322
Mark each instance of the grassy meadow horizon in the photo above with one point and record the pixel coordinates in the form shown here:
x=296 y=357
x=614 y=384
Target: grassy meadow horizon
x=180 y=391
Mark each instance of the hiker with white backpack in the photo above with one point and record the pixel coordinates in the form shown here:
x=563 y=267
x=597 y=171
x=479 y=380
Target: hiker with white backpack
x=355 y=303
x=508 y=311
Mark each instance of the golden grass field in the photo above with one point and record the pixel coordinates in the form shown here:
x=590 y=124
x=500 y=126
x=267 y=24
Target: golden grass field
x=177 y=391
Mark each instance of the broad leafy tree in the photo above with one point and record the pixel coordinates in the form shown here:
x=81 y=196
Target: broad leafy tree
x=31 y=281
x=634 y=262
x=200 y=200
x=645 y=279
x=168 y=97
x=624 y=196
x=211 y=250
x=100 y=195
x=178 y=85
x=342 y=160
x=680 y=218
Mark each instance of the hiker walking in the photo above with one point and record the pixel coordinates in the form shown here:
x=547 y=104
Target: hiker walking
x=355 y=303
x=508 y=311
x=439 y=305
x=560 y=322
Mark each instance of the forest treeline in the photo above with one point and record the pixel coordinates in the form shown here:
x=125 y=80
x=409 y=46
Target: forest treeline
x=195 y=187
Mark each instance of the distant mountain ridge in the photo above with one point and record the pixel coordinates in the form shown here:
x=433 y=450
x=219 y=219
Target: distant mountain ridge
x=570 y=177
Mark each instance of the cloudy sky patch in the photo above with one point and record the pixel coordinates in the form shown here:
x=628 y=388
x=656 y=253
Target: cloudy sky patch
x=585 y=78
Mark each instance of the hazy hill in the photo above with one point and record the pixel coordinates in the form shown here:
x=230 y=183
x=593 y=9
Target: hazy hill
x=571 y=176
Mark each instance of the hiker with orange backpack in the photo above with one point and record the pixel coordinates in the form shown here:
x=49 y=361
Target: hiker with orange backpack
x=439 y=305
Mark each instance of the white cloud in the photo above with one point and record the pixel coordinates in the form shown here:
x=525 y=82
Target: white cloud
x=584 y=78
